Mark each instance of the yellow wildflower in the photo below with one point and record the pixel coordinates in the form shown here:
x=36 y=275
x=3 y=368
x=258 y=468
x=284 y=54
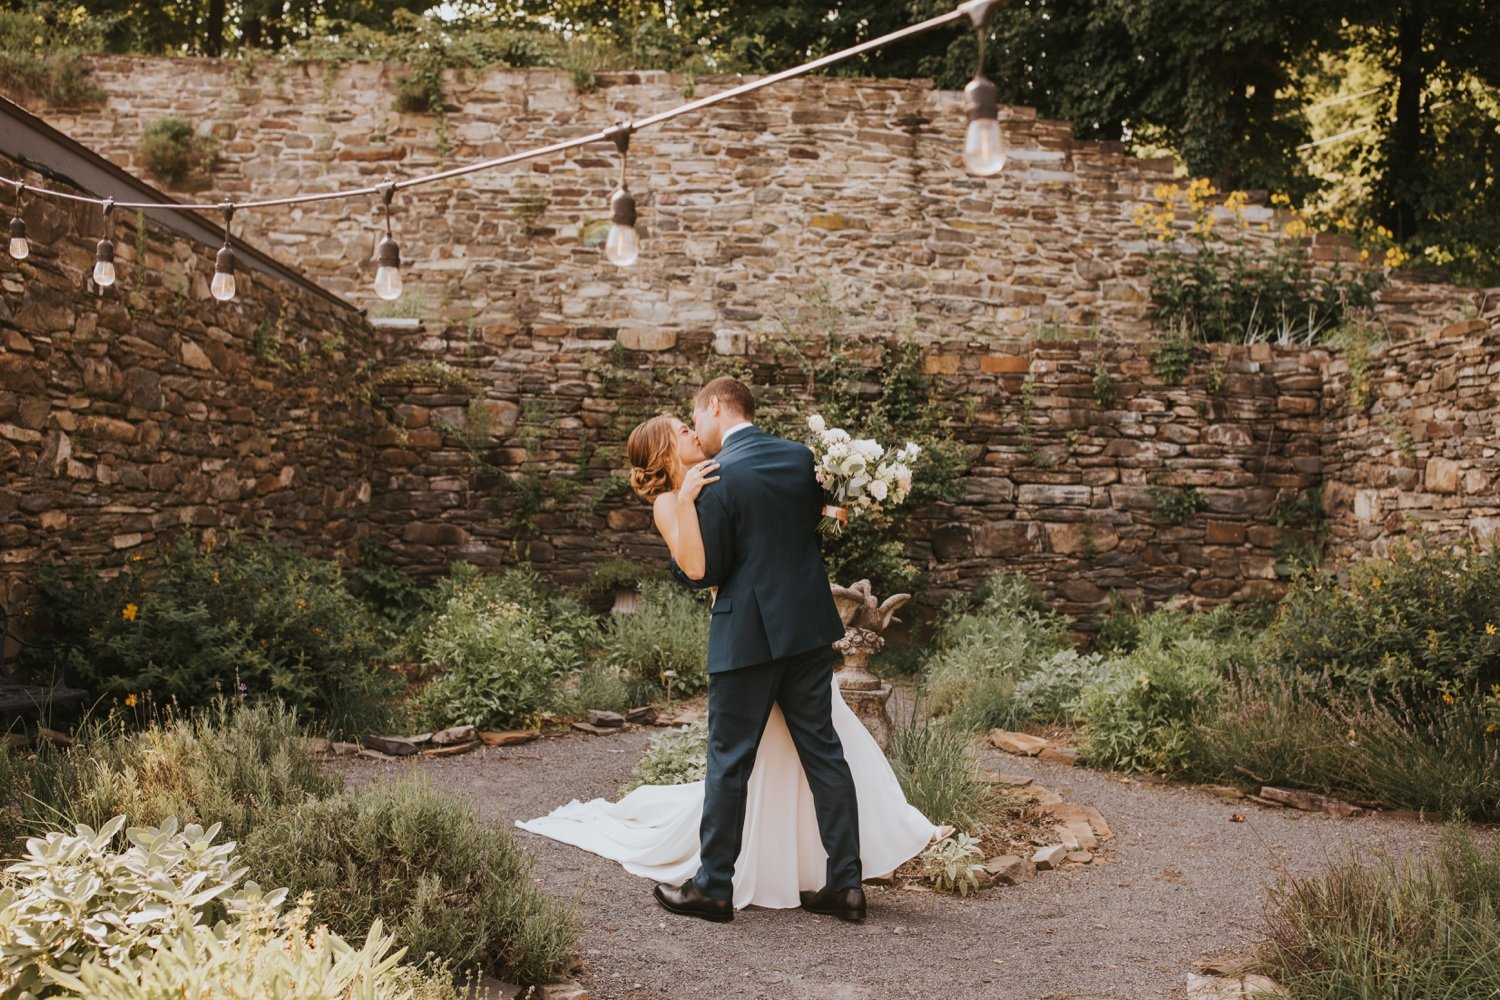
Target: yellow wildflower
x=1448 y=698
x=1364 y=255
x=1281 y=199
x=1296 y=229
x=216 y=577
x=1236 y=200
x=301 y=605
x=128 y=612
x=1167 y=192
x=1375 y=582
x=130 y=701
x=1489 y=628
x=1385 y=233
x=1395 y=257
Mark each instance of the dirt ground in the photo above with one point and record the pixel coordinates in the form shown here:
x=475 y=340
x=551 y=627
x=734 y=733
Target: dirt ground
x=1179 y=883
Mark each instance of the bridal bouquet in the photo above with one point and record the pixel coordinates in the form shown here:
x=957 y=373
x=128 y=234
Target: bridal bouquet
x=858 y=475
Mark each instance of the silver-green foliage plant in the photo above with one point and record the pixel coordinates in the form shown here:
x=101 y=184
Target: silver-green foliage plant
x=984 y=653
x=74 y=900
x=668 y=632
x=1052 y=692
x=676 y=757
x=954 y=864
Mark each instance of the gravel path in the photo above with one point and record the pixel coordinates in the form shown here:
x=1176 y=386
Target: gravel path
x=1178 y=883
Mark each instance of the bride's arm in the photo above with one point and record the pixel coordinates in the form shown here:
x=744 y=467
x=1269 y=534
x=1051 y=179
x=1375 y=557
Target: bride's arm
x=677 y=519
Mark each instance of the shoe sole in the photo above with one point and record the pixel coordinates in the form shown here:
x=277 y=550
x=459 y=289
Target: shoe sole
x=712 y=918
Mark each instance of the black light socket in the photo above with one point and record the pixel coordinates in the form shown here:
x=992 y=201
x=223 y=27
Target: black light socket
x=622 y=208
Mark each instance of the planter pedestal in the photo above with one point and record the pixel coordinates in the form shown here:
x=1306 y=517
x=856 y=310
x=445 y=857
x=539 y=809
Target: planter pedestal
x=865 y=693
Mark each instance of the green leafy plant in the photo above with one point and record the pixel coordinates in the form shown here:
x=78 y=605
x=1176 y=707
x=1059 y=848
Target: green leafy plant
x=1103 y=385
x=500 y=648
x=444 y=882
x=953 y=864
x=1172 y=359
x=174 y=152
x=188 y=625
x=983 y=653
x=1176 y=504
x=1028 y=439
x=666 y=634
x=1358 y=337
x=675 y=757
x=1218 y=280
x=1421 y=622
x=1051 y=692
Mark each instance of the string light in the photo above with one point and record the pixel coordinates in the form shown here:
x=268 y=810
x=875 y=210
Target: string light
x=984 y=153
x=223 y=284
x=19 y=248
x=104 y=253
x=623 y=245
x=388 y=254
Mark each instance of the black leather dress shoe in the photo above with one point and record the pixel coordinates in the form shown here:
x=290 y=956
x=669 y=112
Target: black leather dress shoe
x=688 y=900
x=846 y=904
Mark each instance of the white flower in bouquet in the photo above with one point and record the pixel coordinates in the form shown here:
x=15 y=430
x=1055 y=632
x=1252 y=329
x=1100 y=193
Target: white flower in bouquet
x=858 y=475
x=817 y=424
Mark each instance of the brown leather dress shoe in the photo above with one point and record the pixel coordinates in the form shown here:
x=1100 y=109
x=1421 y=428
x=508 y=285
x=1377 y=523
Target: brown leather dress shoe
x=688 y=900
x=846 y=904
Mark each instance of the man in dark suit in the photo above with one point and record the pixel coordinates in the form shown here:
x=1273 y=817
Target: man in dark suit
x=769 y=643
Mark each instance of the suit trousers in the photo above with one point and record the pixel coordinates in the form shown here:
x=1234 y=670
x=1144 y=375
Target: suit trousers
x=739 y=703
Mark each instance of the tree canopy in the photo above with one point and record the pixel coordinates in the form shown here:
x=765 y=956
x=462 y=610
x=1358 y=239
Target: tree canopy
x=1254 y=94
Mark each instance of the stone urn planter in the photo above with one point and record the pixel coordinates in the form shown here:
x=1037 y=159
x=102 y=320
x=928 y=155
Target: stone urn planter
x=864 y=620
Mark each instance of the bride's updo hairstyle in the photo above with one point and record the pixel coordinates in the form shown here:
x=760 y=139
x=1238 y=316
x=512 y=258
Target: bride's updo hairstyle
x=652 y=450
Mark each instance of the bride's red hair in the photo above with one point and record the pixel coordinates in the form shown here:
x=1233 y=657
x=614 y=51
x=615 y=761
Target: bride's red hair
x=652 y=451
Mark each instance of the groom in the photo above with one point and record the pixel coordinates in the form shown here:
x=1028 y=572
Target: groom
x=769 y=643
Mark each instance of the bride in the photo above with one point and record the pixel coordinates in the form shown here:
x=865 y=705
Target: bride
x=653 y=831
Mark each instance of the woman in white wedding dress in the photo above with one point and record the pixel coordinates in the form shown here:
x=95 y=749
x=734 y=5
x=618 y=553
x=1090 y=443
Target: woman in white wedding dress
x=653 y=831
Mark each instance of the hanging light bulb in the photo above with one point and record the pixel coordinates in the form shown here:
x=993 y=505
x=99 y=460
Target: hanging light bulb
x=623 y=244
x=223 y=283
x=984 y=151
x=19 y=248
x=104 y=253
x=388 y=254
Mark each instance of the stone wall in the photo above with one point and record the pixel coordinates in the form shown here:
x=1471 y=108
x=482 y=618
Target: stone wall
x=1072 y=496
x=128 y=416
x=1412 y=441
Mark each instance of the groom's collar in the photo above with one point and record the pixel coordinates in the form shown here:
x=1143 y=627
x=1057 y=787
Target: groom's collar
x=735 y=430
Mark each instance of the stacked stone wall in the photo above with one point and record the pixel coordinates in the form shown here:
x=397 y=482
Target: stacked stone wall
x=151 y=409
x=1412 y=443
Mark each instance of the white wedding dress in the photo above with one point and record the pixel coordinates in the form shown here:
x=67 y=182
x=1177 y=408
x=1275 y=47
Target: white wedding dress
x=653 y=831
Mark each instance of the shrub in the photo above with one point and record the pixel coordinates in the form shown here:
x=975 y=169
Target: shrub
x=502 y=647
x=1051 y=693
x=173 y=152
x=1140 y=717
x=1276 y=730
x=229 y=765
x=603 y=687
x=189 y=625
x=668 y=631
x=1421 y=622
x=954 y=864
x=982 y=655
x=675 y=757
x=164 y=917
x=73 y=899
x=939 y=774
x=1408 y=930
x=444 y=881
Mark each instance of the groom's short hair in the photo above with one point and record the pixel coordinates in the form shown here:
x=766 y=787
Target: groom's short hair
x=732 y=393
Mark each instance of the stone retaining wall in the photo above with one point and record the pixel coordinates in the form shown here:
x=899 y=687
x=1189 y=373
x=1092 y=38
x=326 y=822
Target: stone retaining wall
x=129 y=416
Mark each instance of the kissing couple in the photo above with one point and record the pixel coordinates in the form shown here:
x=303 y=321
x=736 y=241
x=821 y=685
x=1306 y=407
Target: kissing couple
x=798 y=800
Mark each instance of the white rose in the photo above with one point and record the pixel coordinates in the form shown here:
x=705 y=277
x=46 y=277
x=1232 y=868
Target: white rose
x=878 y=489
x=816 y=424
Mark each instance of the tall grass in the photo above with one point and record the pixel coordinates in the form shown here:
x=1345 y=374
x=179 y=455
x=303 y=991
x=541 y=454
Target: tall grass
x=940 y=775
x=228 y=763
x=1273 y=730
x=1407 y=931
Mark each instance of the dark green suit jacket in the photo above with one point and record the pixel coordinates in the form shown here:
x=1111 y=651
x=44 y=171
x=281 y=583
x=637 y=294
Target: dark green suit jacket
x=760 y=540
